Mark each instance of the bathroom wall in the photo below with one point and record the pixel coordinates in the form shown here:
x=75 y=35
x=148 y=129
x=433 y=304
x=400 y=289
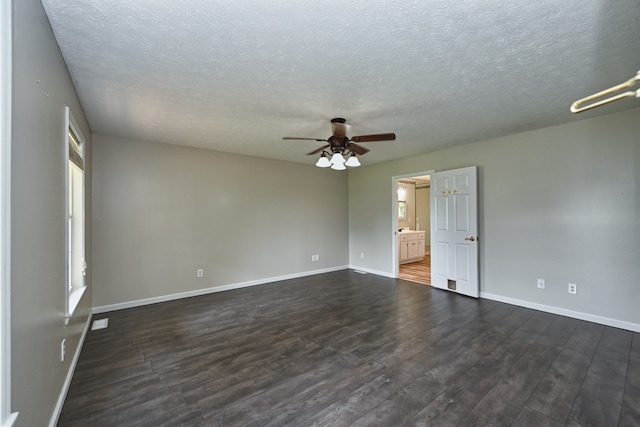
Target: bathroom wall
x=410 y=197
x=423 y=212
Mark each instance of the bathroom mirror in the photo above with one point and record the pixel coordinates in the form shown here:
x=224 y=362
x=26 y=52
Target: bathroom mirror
x=402 y=210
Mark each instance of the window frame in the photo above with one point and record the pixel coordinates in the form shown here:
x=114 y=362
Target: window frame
x=7 y=418
x=73 y=291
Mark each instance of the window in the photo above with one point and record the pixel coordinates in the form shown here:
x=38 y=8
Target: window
x=76 y=265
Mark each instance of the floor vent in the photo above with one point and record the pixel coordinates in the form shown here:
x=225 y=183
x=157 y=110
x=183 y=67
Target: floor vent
x=100 y=324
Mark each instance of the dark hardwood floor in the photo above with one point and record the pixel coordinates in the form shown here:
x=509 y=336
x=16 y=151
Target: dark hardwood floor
x=342 y=349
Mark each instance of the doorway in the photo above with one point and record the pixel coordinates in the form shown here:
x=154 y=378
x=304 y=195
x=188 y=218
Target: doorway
x=412 y=227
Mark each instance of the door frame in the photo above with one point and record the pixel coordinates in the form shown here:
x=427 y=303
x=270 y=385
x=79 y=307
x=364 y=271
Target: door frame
x=6 y=417
x=394 y=216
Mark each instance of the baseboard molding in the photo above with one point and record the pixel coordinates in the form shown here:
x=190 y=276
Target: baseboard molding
x=206 y=291
x=634 y=327
x=11 y=419
x=72 y=369
x=369 y=270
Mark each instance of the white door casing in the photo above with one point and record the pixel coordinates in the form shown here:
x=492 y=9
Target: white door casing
x=454 y=231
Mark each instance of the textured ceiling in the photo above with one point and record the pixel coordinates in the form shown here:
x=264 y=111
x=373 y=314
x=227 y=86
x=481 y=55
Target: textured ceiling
x=239 y=75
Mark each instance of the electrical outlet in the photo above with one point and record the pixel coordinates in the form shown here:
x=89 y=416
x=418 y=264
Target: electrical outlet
x=199 y=272
x=541 y=284
x=573 y=288
x=62 y=350
x=361 y=255
x=315 y=257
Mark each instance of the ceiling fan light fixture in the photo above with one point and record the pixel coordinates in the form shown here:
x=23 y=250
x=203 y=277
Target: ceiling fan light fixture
x=402 y=193
x=352 y=161
x=337 y=159
x=323 y=161
x=339 y=145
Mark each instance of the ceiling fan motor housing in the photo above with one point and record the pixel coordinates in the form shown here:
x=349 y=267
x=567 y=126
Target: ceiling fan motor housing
x=338 y=143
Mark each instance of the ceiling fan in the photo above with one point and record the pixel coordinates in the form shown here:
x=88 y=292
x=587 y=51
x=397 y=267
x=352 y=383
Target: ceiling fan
x=339 y=145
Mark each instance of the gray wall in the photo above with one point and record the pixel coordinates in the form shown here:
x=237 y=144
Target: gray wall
x=561 y=203
x=162 y=211
x=41 y=89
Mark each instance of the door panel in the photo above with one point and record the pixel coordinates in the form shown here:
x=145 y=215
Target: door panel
x=439 y=265
x=462 y=262
x=441 y=215
x=454 y=244
x=461 y=208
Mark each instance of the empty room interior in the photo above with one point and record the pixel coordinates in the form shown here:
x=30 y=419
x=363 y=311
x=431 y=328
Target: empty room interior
x=320 y=213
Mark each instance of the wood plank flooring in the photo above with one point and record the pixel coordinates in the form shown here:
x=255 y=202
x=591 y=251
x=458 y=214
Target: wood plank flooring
x=419 y=271
x=350 y=349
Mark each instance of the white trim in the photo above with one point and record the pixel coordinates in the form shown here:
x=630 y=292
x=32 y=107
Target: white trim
x=6 y=417
x=634 y=327
x=205 y=291
x=395 y=262
x=72 y=124
x=372 y=271
x=72 y=296
x=67 y=382
x=512 y=301
x=10 y=420
x=74 y=299
x=68 y=310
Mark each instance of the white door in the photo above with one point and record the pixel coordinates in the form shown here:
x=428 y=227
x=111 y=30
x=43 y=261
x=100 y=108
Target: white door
x=454 y=231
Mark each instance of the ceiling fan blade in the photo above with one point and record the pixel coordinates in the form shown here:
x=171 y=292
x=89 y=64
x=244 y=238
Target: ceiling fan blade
x=358 y=149
x=376 y=137
x=318 y=150
x=304 y=139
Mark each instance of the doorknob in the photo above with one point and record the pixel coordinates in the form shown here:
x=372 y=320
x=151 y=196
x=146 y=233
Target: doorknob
x=473 y=239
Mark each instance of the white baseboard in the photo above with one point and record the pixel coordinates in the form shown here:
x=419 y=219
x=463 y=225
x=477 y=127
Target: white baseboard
x=369 y=270
x=634 y=327
x=205 y=291
x=11 y=419
x=67 y=382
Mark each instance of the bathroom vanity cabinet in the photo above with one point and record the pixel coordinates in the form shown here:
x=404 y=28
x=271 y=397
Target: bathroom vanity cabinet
x=411 y=246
